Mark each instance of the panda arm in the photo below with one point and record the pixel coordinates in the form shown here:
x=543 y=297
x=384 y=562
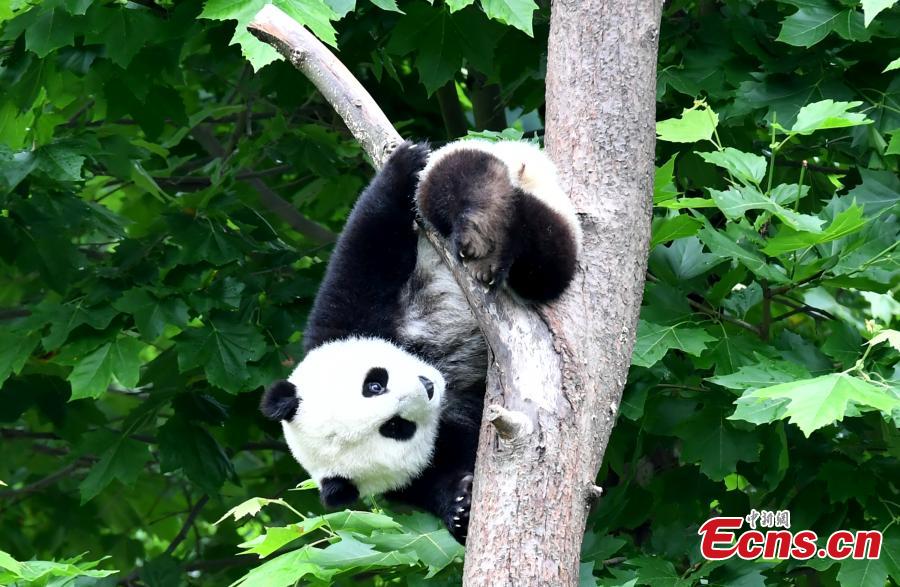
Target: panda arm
x=374 y=256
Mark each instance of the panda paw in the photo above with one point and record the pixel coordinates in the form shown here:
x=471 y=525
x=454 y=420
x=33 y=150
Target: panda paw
x=457 y=520
x=408 y=159
x=480 y=254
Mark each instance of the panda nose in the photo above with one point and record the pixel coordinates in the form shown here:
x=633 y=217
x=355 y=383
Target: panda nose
x=429 y=386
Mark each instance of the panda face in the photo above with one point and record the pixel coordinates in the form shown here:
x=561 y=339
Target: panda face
x=359 y=413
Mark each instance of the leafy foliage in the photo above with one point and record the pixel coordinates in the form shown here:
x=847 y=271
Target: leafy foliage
x=168 y=193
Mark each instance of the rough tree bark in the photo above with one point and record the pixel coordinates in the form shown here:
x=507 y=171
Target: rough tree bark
x=557 y=372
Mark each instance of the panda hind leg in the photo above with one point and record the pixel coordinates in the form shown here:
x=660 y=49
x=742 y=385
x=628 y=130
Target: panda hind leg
x=547 y=243
x=467 y=195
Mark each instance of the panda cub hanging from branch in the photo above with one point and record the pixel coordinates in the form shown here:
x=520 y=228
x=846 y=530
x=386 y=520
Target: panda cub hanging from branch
x=389 y=397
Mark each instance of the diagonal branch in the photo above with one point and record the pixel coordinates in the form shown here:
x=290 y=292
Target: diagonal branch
x=269 y=197
x=346 y=95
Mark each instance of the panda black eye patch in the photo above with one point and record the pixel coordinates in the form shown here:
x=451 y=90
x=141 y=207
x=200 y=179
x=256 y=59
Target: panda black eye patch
x=375 y=382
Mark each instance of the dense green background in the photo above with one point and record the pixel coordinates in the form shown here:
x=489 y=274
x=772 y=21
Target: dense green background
x=155 y=273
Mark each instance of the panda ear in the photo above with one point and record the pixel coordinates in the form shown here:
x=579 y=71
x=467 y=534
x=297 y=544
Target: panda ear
x=280 y=401
x=337 y=492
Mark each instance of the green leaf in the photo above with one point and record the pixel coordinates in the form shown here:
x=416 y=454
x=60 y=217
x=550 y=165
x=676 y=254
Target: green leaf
x=222 y=348
x=809 y=25
x=787 y=240
x=722 y=245
x=828 y=114
x=53 y=28
x=250 y=507
x=664 y=181
x=668 y=229
x=15 y=348
x=68 y=317
x=14 y=167
x=745 y=167
x=122 y=30
x=815 y=403
x=895 y=64
x=187 y=446
x=878 y=190
x=893 y=147
x=390 y=5
x=124 y=460
x=871 y=8
x=347 y=554
x=342 y=8
x=423 y=536
x=517 y=13
x=850 y=25
x=683 y=259
x=657 y=572
x=654 y=341
x=206 y=241
x=151 y=314
x=682 y=203
x=736 y=201
x=315 y=14
x=347 y=520
x=60 y=162
x=695 y=124
x=455 y=5
x=862 y=573
x=892 y=337
x=118 y=359
x=9 y=563
x=441 y=40
x=714 y=443
x=762 y=374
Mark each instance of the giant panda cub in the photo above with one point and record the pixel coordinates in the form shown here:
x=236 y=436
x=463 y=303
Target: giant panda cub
x=388 y=399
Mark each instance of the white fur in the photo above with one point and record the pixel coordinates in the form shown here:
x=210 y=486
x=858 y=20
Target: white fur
x=529 y=169
x=335 y=431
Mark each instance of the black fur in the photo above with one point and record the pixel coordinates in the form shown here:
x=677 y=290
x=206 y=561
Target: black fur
x=545 y=252
x=500 y=231
x=398 y=428
x=373 y=258
x=337 y=492
x=280 y=401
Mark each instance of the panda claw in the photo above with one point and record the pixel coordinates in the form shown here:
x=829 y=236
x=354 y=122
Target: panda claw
x=457 y=516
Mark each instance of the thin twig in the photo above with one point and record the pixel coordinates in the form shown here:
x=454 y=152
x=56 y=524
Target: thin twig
x=723 y=316
x=799 y=307
x=42 y=483
x=188 y=522
x=786 y=288
x=269 y=198
x=177 y=180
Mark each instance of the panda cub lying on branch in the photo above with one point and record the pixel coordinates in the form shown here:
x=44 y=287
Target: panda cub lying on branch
x=388 y=399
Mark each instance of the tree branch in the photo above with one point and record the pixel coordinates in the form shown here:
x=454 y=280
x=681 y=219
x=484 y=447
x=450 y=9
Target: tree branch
x=346 y=95
x=45 y=482
x=188 y=522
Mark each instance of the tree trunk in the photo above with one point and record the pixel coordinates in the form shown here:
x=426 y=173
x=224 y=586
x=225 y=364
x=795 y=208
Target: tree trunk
x=532 y=496
x=556 y=372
